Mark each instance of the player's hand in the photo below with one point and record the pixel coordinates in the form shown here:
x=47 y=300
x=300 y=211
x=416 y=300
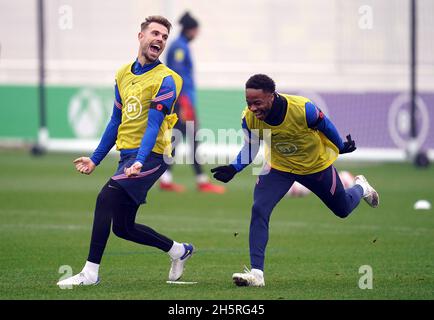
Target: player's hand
x=134 y=170
x=84 y=165
x=349 y=145
x=224 y=173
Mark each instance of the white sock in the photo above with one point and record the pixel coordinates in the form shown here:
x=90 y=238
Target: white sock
x=166 y=177
x=91 y=270
x=202 y=178
x=177 y=250
x=259 y=272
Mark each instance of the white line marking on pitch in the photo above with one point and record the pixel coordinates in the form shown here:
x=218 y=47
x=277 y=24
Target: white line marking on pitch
x=180 y=282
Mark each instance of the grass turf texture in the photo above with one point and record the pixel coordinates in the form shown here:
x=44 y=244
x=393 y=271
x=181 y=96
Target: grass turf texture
x=46 y=211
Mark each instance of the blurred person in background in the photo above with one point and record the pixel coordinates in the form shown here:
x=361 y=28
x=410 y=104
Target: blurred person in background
x=180 y=60
x=142 y=119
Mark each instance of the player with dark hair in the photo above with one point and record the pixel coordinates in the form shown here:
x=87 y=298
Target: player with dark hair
x=140 y=126
x=180 y=60
x=304 y=144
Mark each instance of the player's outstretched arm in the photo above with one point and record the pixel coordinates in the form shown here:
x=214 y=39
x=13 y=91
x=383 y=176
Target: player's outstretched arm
x=111 y=132
x=244 y=158
x=316 y=119
x=84 y=165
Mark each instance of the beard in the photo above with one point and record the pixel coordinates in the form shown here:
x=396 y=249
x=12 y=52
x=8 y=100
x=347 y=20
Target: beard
x=147 y=57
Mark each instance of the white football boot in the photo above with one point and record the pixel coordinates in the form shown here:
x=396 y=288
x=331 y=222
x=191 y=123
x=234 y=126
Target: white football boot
x=369 y=194
x=177 y=265
x=80 y=279
x=249 y=278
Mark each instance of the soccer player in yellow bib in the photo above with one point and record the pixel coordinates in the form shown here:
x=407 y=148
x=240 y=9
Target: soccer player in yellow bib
x=145 y=93
x=302 y=146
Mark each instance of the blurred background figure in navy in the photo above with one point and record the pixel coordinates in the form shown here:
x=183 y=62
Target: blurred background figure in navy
x=179 y=59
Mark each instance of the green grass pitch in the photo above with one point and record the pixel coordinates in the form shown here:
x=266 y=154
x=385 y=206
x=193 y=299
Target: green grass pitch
x=46 y=211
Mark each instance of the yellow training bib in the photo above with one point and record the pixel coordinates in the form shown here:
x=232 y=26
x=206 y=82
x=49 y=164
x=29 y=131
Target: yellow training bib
x=137 y=92
x=292 y=146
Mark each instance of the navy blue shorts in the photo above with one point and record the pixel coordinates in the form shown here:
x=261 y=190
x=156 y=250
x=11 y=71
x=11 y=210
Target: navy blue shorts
x=138 y=186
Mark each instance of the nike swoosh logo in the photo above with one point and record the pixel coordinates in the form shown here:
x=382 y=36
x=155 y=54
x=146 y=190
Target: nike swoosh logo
x=186 y=254
x=113 y=187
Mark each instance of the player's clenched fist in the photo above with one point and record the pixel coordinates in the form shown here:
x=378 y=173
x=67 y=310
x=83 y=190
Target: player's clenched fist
x=84 y=165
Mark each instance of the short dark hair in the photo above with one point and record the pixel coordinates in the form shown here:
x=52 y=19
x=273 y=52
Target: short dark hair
x=261 y=81
x=158 y=19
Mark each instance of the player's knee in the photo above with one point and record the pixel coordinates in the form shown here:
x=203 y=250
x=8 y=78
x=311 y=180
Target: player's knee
x=341 y=212
x=259 y=211
x=120 y=231
x=256 y=210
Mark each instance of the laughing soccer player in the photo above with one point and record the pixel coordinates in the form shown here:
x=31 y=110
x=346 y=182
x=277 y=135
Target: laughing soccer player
x=304 y=144
x=141 y=123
